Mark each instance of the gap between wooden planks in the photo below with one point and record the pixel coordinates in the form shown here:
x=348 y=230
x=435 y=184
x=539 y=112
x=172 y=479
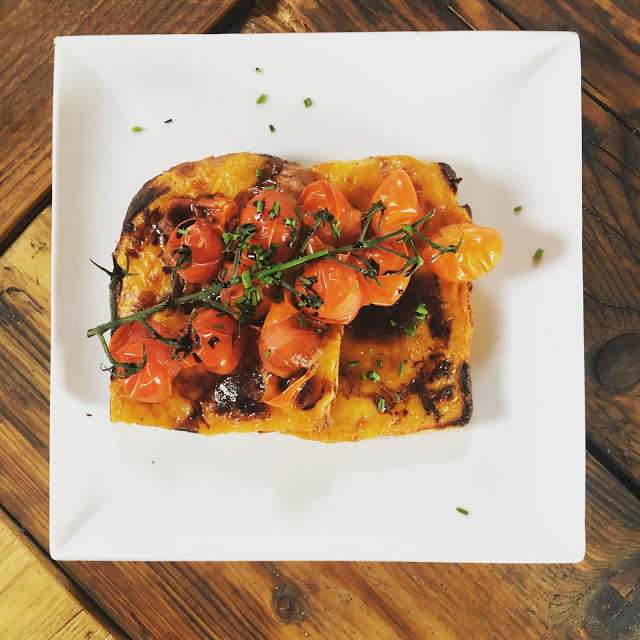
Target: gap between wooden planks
x=36 y=600
x=595 y=599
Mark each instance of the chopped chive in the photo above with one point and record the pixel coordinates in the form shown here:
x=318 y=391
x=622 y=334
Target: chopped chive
x=305 y=281
x=354 y=363
x=381 y=405
x=136 y=129
x=401 y=367
x=297 y=212
x=258 y=70
x=259 y=206
x=462 y=511
x=373 y=375
x=398 y=396
x=272 y=188
x=275 y=211
x=272 y=128
x=392 y=322
x=516 y=209
x=302 y=321
x=267 y=353
x=410 y=329
x=261 y=98
x=218 y=326
x=246 y=279
x=258 y=172
x=307 y=102
x=371 y=352
x=168 y=121
x=356 y=286
x=363 y=375
x=421 y=309
x=379 y=363
x=538 y=254
x=183 y=232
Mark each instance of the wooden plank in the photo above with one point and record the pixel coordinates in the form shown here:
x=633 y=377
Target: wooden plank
x=611 y=185
x=258 y=601
x=38 y=601
x=26 y=77
x=609 y=38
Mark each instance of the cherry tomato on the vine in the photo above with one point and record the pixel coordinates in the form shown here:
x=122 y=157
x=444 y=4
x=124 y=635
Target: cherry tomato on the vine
x=205 y=245
x=480 y=250
x=221 y=212
x=274 y=215
x=221 y=349
x=334 y=285
x=399 y=196
x=391 y=286
x=153 y=383
x=286 y=345
x=347 y=221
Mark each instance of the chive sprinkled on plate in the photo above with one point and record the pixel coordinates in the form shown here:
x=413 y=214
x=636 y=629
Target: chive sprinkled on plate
x=538 y=254
x=370 y=352
x=136 y=129
x=183 y=232
x=258 y=70
x=168 y=120
x=354 y=363
x=373 y=375
x=267 y=353
x=392 y=322
x=516 y=209
x=272 y=128
x=246 y=279
x=258 y=173
x=261 y=98
x=379 y=363
x=276 y=210
x=398 y=396
x=401 y=367
x=218 y=326
x=382 y=405
x=363 y=375
x=271 y=188
x=464 y=512
x=307 y=102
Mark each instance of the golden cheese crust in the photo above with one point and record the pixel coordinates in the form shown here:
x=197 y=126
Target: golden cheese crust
x=424 y=380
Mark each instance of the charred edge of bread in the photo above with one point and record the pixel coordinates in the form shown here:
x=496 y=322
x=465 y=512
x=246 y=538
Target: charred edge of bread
x=450 y=176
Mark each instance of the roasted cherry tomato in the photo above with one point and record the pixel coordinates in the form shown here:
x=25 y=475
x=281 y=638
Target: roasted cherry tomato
x=206 y=246
x=480 y=250
x=335 y=288
x=274 y=215
x=230 y=295
x=153 y=383
x=399 y=196
x=391 y=286
x=221 y=212
x=221 y=349
x=347 y=221
x=287 y=346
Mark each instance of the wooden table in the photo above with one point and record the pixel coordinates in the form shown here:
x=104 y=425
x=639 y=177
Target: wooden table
x=598 y=598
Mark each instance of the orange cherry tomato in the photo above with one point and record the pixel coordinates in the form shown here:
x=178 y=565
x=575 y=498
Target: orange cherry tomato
x=220 y=350
x=153 y=383
x=321 y=195
x=399 y=196
x=285 y=345
x=480 y=251
x=391 y=286
x=221 y=212
x=269 y=211
x=230 y=295
x=206 y=246
x=337 y=286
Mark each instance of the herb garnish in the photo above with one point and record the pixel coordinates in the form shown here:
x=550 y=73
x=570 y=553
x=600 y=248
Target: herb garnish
x=307 y=102
x=462 y=511
x=136 y=129
x=272 y=128
x=538 y=254
x=261 y=98
x=516 y=209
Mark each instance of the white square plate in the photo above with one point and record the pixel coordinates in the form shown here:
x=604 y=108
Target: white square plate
x=504 y=110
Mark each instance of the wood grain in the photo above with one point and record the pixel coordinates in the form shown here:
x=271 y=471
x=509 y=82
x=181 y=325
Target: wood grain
x=595 y=599
x=26 y=77
x=37 y=601
x=611 y=188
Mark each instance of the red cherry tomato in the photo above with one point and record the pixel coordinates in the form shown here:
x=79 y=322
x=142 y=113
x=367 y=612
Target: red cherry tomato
x=337 y=285
x=391 y=286
x=399 y=196
x=321 y=195
x=220 y=351
x=230 y=295
x=285 y=345
x=221 y=212
x=206 y=246
x=153 y=383
x=270 y=219
x=480 y=250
